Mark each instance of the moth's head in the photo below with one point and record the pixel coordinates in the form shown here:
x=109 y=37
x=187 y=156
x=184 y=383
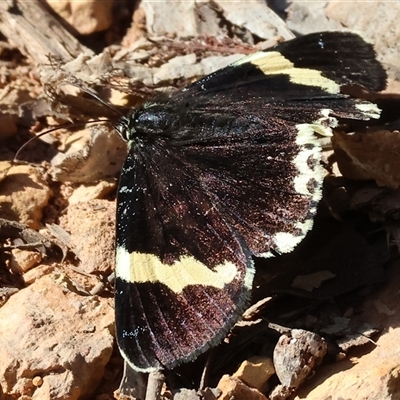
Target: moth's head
x=149 y=121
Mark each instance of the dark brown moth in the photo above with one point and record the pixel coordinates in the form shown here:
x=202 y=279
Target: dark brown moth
x=225 y=169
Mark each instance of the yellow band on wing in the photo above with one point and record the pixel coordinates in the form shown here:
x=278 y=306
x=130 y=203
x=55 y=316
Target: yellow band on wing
x=274 y=63
x=143 y=267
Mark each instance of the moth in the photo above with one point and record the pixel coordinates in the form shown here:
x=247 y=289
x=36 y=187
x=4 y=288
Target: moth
x=223 y=170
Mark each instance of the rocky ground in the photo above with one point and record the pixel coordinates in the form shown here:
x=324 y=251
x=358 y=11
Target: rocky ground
x=337 y=292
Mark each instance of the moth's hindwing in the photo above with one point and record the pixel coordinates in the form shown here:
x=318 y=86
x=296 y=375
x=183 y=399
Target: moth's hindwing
x=183 y=274
x=225 y=169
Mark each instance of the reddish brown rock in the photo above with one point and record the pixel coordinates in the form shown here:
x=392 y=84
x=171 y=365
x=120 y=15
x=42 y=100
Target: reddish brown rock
x=23 y=195
x=87 y=192
x=36 y=273
x=24 y=260
x=92 y=228
x=255 y=372
x=54 y=344
x=234 y=389
x=85 y=16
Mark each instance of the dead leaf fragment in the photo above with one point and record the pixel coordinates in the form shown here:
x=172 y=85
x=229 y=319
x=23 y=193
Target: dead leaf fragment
x=371 y=155
x=311 y=281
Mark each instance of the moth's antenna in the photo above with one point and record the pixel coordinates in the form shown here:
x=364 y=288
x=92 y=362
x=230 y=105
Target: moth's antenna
x=76 y=124
x=70 y=125
x=94 y=95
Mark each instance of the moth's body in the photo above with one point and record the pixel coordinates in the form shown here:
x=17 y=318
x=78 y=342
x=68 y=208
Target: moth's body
x=227 y=168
